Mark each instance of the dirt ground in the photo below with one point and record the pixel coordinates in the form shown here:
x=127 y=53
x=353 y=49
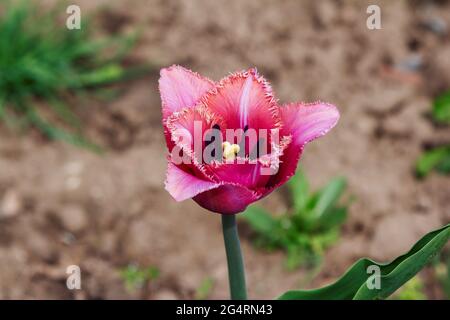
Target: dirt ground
x=61 y=205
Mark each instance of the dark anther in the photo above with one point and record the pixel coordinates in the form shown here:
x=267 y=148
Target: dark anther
x=216 y=126
x=246 y=128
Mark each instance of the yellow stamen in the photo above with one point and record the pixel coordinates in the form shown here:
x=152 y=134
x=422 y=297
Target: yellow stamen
x=230 y=150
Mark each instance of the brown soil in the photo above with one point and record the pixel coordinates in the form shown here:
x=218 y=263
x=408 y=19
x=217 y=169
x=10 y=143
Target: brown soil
x=60 y=205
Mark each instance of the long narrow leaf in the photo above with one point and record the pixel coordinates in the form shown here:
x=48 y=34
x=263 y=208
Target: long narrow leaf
x=353 y=284
x=298 y=186
x=329 y=196
x=259 y=219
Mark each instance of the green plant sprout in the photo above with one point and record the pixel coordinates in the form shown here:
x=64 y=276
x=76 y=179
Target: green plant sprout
x=41 y=60
x=205 y=289
x=136 y=277
x=309 y=227
x=437 y=158
x=441 y=108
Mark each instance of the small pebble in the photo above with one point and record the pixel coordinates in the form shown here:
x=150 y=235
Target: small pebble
x=10 y=205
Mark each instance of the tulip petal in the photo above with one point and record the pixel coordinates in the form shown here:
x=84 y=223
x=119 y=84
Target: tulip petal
x=182 y=185
x=304 y=122
x=245 y=174
x=188 y=126
x=244 y=99
x=181 y=88
x=227 y=199
x=254 y=174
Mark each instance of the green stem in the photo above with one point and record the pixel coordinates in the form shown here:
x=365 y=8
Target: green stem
x=236 y=273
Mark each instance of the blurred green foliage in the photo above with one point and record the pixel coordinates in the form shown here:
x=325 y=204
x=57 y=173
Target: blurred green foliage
x=412 y=290
x=136 y=277
x=310 y=225
x=205 y=289
x=437 y=158
x=441 y=268
x=441 y=108
x=42 y=60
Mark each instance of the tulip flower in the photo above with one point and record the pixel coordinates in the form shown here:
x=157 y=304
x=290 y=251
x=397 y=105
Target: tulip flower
x=230 y=144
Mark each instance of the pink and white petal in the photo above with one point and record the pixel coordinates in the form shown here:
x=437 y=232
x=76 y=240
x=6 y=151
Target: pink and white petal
x=181 y=88
x=245 y=174
x=244 y=99
x=254 y=174
x=182 y=185
x=188 y=126
x=227 y=199
x=304 y=122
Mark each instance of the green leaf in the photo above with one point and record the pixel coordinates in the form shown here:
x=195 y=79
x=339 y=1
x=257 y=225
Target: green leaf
x=135 y=277
x=107 y=74
x=60 y=134
x=329 y=196
x=333 y=218
x=260 y=220
x=353 y=284
x=441 y=108
x=294 y=257
x=204 y=290
x=298 y=186
x=438 y=158
x=444 y=166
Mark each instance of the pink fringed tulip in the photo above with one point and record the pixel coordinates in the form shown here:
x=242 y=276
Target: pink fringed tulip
x=243 y=100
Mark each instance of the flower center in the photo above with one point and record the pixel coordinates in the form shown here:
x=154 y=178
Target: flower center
x=230 y=151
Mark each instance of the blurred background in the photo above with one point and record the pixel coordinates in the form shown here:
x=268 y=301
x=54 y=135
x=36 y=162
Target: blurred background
x=82 y=154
